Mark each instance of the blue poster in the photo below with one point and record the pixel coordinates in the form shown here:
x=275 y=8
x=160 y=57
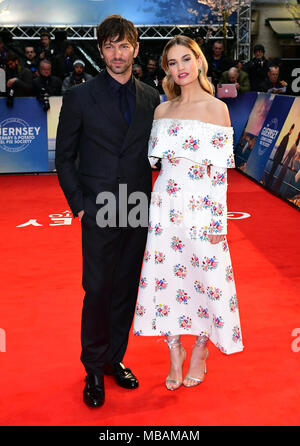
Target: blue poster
x=239 y=111
x=268 y=135
x=254 y=124
x=282 y=171
x=23 y=136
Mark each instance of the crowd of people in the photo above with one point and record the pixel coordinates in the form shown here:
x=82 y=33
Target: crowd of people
x=45 y=71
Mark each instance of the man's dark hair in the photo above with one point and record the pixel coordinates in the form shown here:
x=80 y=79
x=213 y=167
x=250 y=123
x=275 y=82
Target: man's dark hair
x=11 y=56
x=115 y=26
x=259 y=47
x=45 y=33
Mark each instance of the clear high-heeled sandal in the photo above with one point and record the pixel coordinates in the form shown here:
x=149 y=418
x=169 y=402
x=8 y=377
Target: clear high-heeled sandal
x=173 y=344
x=200 y=341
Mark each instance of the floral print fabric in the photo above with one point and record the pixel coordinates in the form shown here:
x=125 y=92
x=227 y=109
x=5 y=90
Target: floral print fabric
x=187 y=284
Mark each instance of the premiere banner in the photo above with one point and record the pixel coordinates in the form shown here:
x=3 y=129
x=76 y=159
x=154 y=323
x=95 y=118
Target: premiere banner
x=23 y=136
x=239 y=110
x=268 y=135
x=282 y=171
x=255 y=122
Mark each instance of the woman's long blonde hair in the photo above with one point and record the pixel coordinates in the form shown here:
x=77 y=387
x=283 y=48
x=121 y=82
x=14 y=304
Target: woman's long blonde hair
x=173 y=90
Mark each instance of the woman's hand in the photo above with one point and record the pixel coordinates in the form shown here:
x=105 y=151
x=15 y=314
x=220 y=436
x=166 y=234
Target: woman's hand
x=214 y=239
x=80 y=215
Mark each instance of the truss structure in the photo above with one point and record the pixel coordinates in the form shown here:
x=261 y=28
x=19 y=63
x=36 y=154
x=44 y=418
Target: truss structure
x=88 y=32
x=241 y=32
x=243 y=38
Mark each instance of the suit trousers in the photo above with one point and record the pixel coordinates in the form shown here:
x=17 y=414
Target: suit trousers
x=112 y=259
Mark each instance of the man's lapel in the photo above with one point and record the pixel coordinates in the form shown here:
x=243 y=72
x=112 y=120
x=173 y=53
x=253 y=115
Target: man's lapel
x=108 y=106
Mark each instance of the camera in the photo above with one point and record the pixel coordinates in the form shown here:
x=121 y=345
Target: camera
x=31 y=67
x=10 y=97
x=258 y=62
x=44 y=99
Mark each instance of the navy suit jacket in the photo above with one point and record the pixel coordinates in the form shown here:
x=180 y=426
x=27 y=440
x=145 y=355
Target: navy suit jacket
x=96 y=150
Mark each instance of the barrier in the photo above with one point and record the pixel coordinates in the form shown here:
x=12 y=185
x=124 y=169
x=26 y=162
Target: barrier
x=261 y=122
x=266 y=149
x=23 y=136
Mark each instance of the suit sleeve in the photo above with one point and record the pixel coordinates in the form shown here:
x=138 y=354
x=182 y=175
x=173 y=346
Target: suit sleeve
x=157 y=99
x=67 y=142
x=152 y=160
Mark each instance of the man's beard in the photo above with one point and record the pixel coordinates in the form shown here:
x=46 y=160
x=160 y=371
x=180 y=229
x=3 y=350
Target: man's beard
x=121 y=69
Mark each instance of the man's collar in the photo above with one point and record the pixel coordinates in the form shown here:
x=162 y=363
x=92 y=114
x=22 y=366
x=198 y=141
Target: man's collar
x=115 y=85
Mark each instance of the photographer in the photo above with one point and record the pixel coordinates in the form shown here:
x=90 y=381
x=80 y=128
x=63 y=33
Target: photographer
x=273 y=83
x=46 y=85
x=45 y=49
x=217 y=61
x=137 y=71
x=30 y=61
x=77 y=77
x=238 y=77
x=63 y=63
x=18 y=79
x=257 y=68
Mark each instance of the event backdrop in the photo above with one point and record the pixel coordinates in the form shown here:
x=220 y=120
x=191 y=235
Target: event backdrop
x=23 y=136
x=268 y=135
x=261 y=123
x=286 y=178
x=92 y=12
x=264 y=152
x=239 y=112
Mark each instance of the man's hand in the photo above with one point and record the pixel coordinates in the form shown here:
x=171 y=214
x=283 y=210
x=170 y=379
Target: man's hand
x=237 y=85
x=80 y=215
x=214 y=239
x=11 y=81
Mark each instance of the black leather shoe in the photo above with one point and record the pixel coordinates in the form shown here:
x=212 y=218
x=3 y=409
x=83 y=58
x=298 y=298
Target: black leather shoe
x=123 y=376
x=93 y=393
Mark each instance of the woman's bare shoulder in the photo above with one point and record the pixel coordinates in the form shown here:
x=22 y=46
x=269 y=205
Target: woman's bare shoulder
x=162 y=109
x=217 y=112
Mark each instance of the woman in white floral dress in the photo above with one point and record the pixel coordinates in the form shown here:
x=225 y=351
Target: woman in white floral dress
x=187 y=284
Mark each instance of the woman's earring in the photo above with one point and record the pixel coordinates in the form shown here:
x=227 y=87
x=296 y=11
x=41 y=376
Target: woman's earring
x=199 y=71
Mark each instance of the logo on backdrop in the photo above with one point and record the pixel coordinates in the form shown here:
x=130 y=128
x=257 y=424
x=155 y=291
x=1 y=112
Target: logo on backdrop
x=268 y=135
x=16 y=134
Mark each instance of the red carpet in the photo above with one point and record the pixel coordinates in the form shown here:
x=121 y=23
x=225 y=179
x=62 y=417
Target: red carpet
x=41 y=297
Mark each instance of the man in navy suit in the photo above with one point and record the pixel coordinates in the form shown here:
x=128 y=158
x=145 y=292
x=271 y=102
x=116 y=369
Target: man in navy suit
x=102 y=144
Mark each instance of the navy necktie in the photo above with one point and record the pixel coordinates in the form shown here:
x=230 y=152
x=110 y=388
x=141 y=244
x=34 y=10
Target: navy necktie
x=124 y=105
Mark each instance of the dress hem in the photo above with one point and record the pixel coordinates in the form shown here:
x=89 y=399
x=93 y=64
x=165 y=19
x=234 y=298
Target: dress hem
x=239 y=349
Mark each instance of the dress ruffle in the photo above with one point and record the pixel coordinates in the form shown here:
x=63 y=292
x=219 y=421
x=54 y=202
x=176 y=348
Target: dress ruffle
x=206 y=144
